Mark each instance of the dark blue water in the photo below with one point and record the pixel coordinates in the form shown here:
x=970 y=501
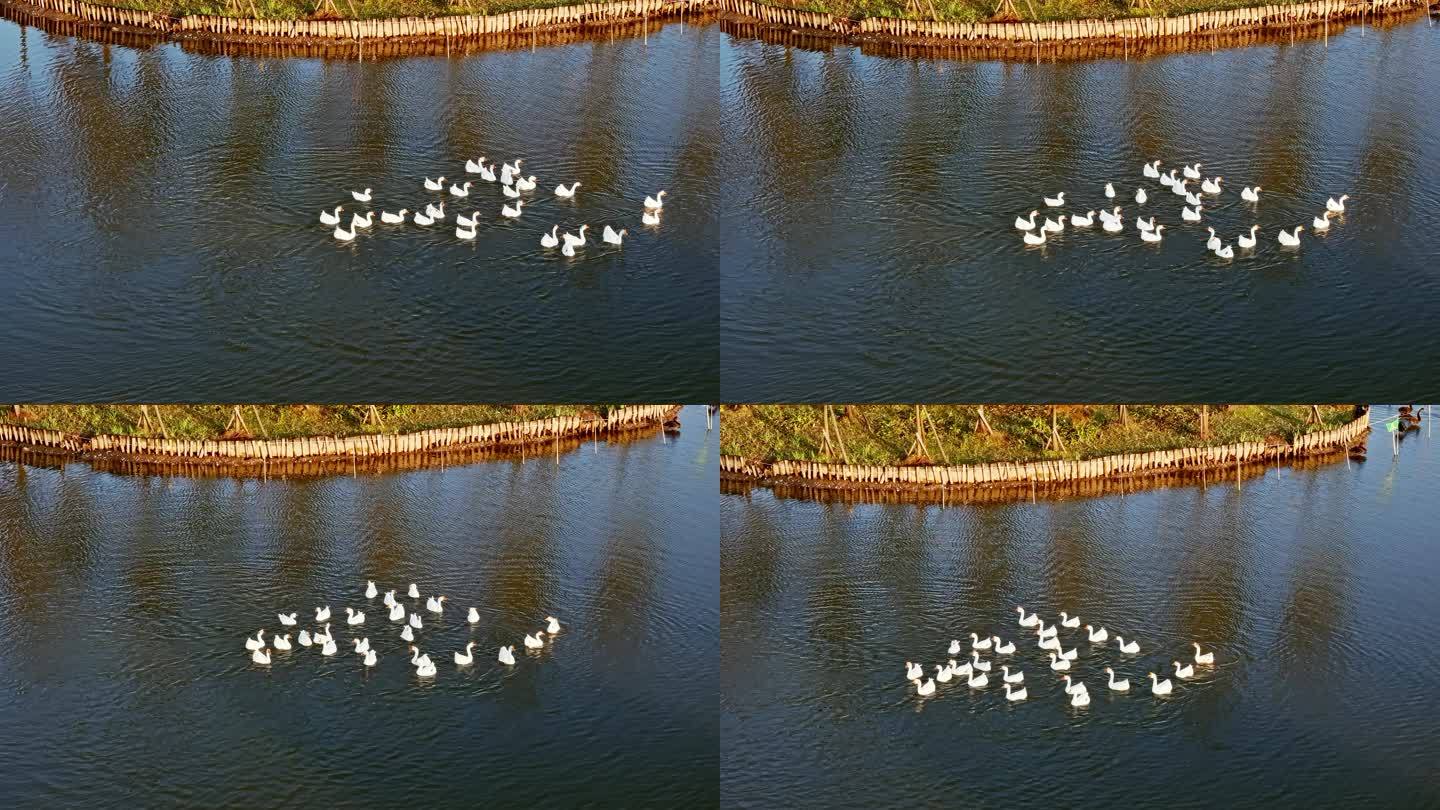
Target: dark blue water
x=125 y=601
x=1314 y=588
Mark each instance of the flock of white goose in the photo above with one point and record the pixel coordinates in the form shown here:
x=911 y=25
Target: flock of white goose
x=1193 y=211
x=513 y=185
x=424 y=667
x=974 y=673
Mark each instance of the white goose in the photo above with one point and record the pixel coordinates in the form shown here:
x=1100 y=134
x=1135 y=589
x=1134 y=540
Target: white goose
x=1080 y=699
x=1189 y=214
x=370 y=590
x=1152 y=236
x=1023 y=224
x=467 y=658
x=1058 y=664
x=1212 y=186
x=1248 y=242
x=425 y=670
x=282 y=642
x=1129 y=648
x=435 y=185
x=1073 y=688
x=475 y=166
x=612 y=236
x=657 y=202
x=562 y=191
x=474 y=616
x=1184 y=671
x=926 y=688
x=964 y=669
x=536 y=641
x=979 y=681
x=389 y=599
x=1109 y=191
x=1070 y=654
x=397 y=612
x=525 y=183
x=913 y=672
x=1113 y=226
x=507 y=656
x=1151 y=169
x=414 y=591
x=303 y=638
x=550 y=240
x=408 y=633
x=1027 y=621
x=1249 y=194
x=1046 y=632
x=507 y=211
x=1007 y=677
x=567 y=249
x=1050 y=643
x=1203 y=658
x=357 y=221
x=508 y=172
x=650 y=218
x=422 y=219
x=1225 y=252
x=362 y=645
x=361 y=196
x=435 y=605
x=976 y=643
x=1160 y=687
x=510 y=191
x=1056 y=201
x=371 y=658
x=327 y=218
x=1018 y=694
x=1192 y=172
x=1321 y=223
x=1083 y=222
x=1118 y=686
x=460 y=191
x=260 y=657
x=954 y=646
x=577 y=241
x=1181 y=188
x=287 y=619
x=322 y=614
x=977 y=664
x=1140 y=196
x=1291 y=239
x=329 y=648
x=1145 y=224
x=467 y=222
x=1066 y=620
x=487 y=173
x=321 y=639
x=1193 y=200
x=942 y=674
x=552 y=626
x=436 y=212
x=1003 y=648
x=1336 y=206
x=1035 y=237
x=416 y=659
x=344 y=235
x=1213 y=243
x=353 y=618
x=1096 y=636
x=415 y=621
x=1169 y=179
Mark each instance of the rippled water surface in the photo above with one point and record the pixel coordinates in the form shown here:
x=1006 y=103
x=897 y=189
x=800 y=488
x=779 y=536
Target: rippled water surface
x=1312 y=586
x=870 y=253
x=159 y=234
x=124 y=602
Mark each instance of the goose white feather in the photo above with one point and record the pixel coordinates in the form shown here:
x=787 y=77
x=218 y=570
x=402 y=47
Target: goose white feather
x=1152 y=236
x=327 y=218
x=361 y=196
x=1291 y=239
x=977 y=643
x=1160 y=687
x=467 y=658
x=1018 y=694
x=282 y=642
x=1248 y=241
x=1203 y=658
x=1129 y=648
x=287 y=619
x=260 y=657
x=507 y=656
x=1336 y=206
x=656 y=202
x=1096 y=636
x=473 y=617
x=612 y=236
x=435 y=185
x=1109 y=191
x=322 y=614
x=926 y=688
x=1249 y=194
x=370 y=590
x=1056 y=201
x=550 y=239
x=1118 y=686
x=303 y=638
x=1066 y=620
x=1184 y=671
x=1027 y=621
x=352 y=617
x=536 y=641
x=1058 y=664
x=1017 y=677
x=650 y=218
x=562 y=191
x=507 y=211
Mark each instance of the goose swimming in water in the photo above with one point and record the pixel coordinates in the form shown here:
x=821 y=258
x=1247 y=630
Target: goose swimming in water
x=1193 y=200
x=1073 y=689
x=1056 y=201
x=414 y=591
x=474 y=616
x=354 y=618
x=1160 y=687
x=1113 y=226
x=977 y=664
x=435 y=605
x=344 y=235
x=1213 y=243
x=415 y=621
x=327 y=218
x=913 y=672
x=567 y=249
x=1118 y=686
x=1291 y=239
x=1096 y=636
x=1018 y=694
x=397 y=612
x=1050 y=643
x=1058 y=664
x=1080 y=699
x=979 y=681
x=304 y=638
x=507 y=211
x=650 y=218
x=416 y=659
x=475 y=166
x=612 y=236
x=370 y=590
x=1053 y=226
x=1250 y=194
x=1321 y=223
x=421 y=219
x=1145 y=224
x=466 y=659
x=1070 y=654
x=1169 y=180
x=550 y=240
x=574 y=240
x=976 y=643
x=435 y=185
x=329 y=648
x=954 y=646
x=926 y=688
x=562 y=191
x=408 y=633
x=371 y=658
x=536 y=641
x=260 y=657
x=282 y=642
x=1066 y=620
x=1212 y=186
x=1184 y=671
x=1335 y=206
x=361 y=196
x=1027 y=621
x=460 y=191
x=1129 y=648
x=1152 y=236
x=1140 y=196
x=467 y=222
x=942 y=674
x=1021 y=223
x=1109 y=191
x=1007 y=677
x=657 y=202
x=1190 y=214
x=1035 y=238
x=1192 y=172
x=322 y=614
x=1181 y=188
x=1248 y=242
x=362 y=645
x=287 y=619
x=487 y=173
x=1003 y=649
x=510 y=191
x=1151 y=169
x=1083 y=222
x=1203 y=658
x=389 y=599
x=507 y=656
x=1046 y=632
x=1225 y=252
x=357 y=221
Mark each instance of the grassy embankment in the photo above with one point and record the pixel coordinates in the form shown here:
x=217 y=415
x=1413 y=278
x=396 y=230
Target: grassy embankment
x=272 y=421
x=885 y=434
x=343 y=9
x=1031 y=11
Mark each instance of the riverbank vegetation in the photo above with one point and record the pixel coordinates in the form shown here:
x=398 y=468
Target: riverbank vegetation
x=272 y=421
x=970 y=11
x=970 y=434
x=328 y=10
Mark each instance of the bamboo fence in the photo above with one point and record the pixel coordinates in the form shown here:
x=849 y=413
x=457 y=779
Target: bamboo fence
x=1129 y=28
x=1060 y=471
x=346 y=447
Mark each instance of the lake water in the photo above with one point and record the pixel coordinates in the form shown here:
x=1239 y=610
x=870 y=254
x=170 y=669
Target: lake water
x=125 y=601
x=159 y=233
x=1312 y=586
x=870 y=253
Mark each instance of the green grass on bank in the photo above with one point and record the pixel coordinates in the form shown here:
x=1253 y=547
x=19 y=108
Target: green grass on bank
x=884 y=434
x=982 y=10
x=274 y=421
x=343 y=9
